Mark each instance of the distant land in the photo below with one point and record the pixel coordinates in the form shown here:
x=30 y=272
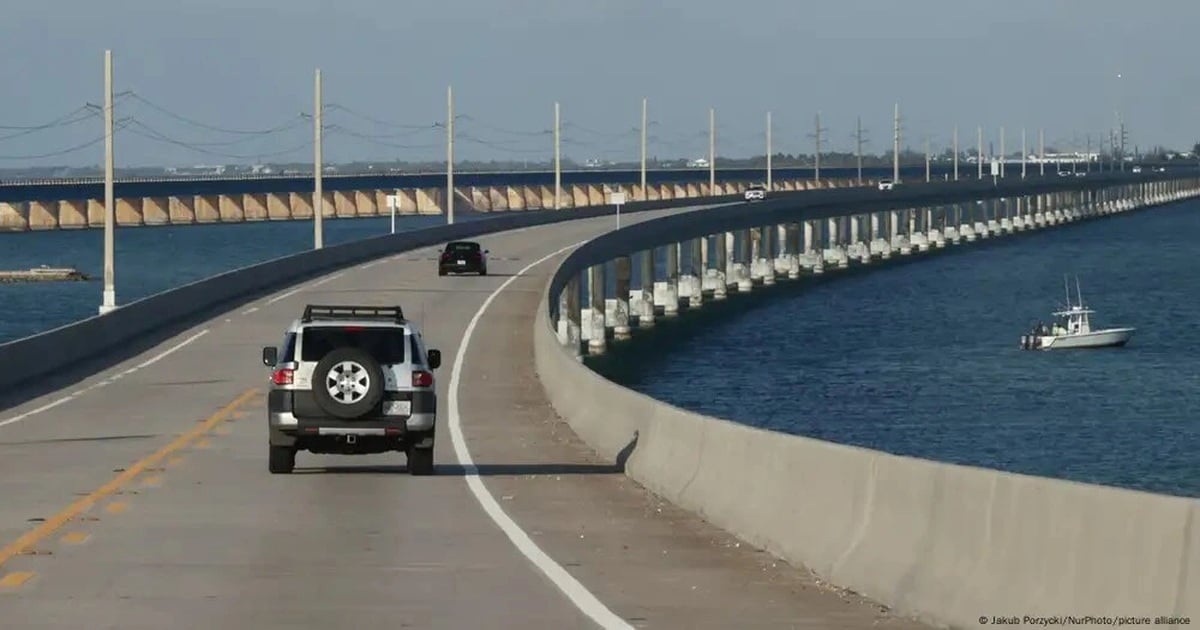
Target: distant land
x=779 y=160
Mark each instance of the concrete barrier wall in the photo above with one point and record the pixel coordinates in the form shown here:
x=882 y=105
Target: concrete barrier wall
x=50 y=352
x=944 y=542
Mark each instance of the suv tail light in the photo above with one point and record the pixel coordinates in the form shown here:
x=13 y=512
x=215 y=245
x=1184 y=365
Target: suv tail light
x=421 y=378
x=282 y=376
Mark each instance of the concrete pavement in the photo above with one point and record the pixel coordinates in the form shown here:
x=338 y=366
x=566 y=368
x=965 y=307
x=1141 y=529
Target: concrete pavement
x=139 y=498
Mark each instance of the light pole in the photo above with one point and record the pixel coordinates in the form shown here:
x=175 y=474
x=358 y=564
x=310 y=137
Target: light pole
x=109 y=298
x=318 y=193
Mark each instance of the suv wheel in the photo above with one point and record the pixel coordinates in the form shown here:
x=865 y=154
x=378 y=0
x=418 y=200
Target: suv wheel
x=420 y=461
x=281 y=460
x=348 y=383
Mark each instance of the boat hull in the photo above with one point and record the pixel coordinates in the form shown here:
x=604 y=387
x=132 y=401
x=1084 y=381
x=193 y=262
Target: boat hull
x=1111 y=338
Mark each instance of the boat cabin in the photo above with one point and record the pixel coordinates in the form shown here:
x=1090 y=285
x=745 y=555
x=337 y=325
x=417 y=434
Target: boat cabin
x=1073 y=321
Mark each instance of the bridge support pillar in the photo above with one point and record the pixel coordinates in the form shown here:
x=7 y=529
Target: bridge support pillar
x=697 y=263
x=814 y=246
x=569 y=316
x=623 y=267
x=597 y=335
x=742 y=254
x=670 y=296
x=791 y=240
x=765 y=259
x=646 y=304
x=721 y=265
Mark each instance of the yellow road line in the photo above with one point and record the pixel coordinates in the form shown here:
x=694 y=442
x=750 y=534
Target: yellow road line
x=15 y=579
x=75 y=538
x=116 y=507
x=81 y=505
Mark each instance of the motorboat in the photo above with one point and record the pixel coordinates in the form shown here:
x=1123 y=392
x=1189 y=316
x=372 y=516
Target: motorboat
x=1072 y=328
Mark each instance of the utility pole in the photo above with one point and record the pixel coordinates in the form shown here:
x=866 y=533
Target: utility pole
x=645 y=193
x=558 y=163
x=979 y=155
x=1121 y=137
x=858 y=150
x=817 y=171
x=712 y=151
x=1042 y=152
x=318 y=184
x=109 y=297
x=1088 y=155
x=955 y=152
x=896 y=146
x=450 y=155
x=1003 y=155
x=1024 y=153
x=770 y=183
x=926 y=159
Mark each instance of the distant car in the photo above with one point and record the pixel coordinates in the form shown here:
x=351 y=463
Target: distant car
x=463 y=257
x=1160 y=169
x=886 y=184
x=756 y=192
x=1064 y=173
x=1137 y=169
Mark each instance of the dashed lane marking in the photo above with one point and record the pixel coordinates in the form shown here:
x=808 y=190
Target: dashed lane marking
x=81 y=505
x=108 y=381
x=15 y=579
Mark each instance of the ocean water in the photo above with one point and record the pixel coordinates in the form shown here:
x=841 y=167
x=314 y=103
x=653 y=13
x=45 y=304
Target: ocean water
x=923 y=359
x=149 y=260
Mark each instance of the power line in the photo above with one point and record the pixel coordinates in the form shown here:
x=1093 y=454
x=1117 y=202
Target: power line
x=607 y=134
x=59 y=123
x=514 y=132
x=117 y=126
x=153 y=134
x=221 y=143
x=202 y=125
x=496 y=145
x=372 y=119
x=338 y=129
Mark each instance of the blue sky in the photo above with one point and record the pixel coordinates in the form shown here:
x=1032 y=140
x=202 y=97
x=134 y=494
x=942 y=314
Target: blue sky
x=248 y=65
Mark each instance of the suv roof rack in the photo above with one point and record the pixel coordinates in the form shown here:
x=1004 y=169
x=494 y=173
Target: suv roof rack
x=316 y=312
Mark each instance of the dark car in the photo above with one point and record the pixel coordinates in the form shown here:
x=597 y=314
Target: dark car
x=463 y=257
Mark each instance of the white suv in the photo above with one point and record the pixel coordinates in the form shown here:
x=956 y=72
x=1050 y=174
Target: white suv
x=352 y=380
x=886 y=184
x=756 y=192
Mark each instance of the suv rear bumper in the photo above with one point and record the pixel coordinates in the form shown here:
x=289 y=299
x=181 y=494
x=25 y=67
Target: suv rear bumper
x=287 y=422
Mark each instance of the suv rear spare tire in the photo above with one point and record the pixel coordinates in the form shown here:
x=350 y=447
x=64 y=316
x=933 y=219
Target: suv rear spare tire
x=348 y=383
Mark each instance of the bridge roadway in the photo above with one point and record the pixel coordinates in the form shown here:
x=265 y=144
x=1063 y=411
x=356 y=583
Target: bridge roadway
x=139 y=497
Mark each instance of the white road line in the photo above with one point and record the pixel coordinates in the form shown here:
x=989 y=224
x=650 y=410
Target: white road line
x=108 y=381
x=333 y=277
x=285 y=295
x=252 y=309
x=583 y=599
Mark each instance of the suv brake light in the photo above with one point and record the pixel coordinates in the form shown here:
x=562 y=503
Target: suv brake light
x=421 y=378
x=282 y=376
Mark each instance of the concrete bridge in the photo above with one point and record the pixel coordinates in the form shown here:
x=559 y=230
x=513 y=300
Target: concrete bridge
x=74 y=204
x=133 y=447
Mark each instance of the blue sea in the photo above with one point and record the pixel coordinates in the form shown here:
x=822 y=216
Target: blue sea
x=923 y=360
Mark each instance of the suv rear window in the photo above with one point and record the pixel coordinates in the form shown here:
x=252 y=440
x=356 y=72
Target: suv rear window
x=387 y=345
x=462 y=247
